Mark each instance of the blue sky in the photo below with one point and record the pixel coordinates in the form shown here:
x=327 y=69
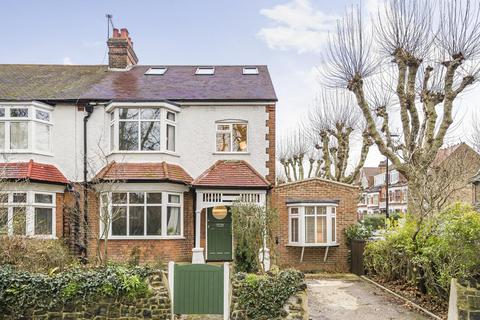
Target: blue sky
x=286 y=35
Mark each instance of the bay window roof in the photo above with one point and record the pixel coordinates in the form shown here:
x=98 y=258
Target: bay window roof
x=32 y=171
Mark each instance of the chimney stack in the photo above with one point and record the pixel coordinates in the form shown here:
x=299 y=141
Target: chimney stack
x=120 y=50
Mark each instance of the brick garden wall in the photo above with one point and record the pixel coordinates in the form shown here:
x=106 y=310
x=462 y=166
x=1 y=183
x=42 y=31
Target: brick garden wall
x=315 y=189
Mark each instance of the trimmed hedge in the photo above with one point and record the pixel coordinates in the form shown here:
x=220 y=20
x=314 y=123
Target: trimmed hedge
x=262 y=297
x=21 y=291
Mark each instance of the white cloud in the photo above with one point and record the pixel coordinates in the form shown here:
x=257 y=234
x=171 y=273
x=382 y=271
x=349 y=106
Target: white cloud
x=67 y=60
x=297 y=26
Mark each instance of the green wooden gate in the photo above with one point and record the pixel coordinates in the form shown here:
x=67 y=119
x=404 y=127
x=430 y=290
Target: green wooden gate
x=198 y=289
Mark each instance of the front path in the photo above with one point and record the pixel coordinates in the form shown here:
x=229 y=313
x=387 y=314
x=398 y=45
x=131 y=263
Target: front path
x=353 y=298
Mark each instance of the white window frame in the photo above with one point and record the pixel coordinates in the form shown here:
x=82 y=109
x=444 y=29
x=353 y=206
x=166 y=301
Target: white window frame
x=331 y=212
x=31 y=120
x=30 y=206
x=230 y=123
x=164 y=205
x=115 y=122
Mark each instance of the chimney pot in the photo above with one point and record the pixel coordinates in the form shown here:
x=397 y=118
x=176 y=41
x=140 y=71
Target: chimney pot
x=116 y=33
x=124 y=33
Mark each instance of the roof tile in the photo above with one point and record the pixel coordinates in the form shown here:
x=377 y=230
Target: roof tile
x=32 y=171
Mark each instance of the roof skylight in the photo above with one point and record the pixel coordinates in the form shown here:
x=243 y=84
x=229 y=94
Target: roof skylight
x=156 y=71
x=205 y=70
x=250 y=70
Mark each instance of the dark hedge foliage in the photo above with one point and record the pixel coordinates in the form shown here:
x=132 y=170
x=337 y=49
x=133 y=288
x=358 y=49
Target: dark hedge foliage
x=262 y=296
x=21 y=290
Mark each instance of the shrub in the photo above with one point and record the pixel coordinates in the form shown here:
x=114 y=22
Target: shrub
x=262 y=297
x=357 y=231
x=35 y=255
x=374 y=221
x=429 y=253
x=20 y=291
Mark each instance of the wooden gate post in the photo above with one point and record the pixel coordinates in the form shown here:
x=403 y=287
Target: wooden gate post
x=171 y=268
x=226 y=291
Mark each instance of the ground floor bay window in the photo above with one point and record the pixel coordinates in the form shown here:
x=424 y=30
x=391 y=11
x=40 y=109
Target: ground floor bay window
x=312 y=224
x=141 y=215
x=27 y=213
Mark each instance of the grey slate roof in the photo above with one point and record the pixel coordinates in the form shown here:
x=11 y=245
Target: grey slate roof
x=179 y=83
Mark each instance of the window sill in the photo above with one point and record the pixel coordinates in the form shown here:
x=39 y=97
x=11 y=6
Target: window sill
x=231 y=153
x=321 y=245
x=170 y=153
x=145 y=238
x=48 y=154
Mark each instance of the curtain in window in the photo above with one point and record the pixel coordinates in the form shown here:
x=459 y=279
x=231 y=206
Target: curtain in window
x=43 y=221
x=42 y=136
x=19 y=135
x=170 y=137
x=173 y=221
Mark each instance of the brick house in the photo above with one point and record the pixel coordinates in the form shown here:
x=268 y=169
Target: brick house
x=126 y=158
x=313 y=216
x=137 y=154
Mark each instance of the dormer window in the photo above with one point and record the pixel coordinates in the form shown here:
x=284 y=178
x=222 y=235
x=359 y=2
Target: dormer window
x=25 y=127
x=142 y=129
x=156 y=71
x=205 y=71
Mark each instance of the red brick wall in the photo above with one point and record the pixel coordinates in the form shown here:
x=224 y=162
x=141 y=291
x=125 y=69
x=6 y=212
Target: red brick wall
x=270 y=137
x=150 y=250
x=315 y=189
x=59 y=199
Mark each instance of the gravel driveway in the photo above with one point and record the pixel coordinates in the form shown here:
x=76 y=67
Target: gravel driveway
x=332 y=299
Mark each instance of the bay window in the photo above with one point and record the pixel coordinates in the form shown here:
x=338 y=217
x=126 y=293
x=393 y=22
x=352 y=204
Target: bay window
x=142 y=129
x=231 y=136
x=142 y=215
x=312 y=224
x=25 y=128
x=27 y=213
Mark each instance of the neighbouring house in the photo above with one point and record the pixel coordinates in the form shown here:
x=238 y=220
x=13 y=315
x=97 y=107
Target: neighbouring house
x=450 y=172
x=476 y=191
x=139 y=153
x=313 y=216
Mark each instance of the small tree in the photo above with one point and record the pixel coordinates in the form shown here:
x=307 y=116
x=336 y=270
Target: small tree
x=253 y=230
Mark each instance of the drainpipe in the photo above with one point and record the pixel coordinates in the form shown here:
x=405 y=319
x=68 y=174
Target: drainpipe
x=89 y=110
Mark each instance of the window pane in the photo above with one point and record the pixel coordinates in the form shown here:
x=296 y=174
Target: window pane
x=128 y=135
x=223 y=127
x=42 y=136
x=126 y=113
x=136 y=221
x=321 y=210
x=294 y=230
x=112 y=137
x=310 y=229
x=154 y=197
x=42 y=115
x=2 y=135
x=43 y=198
x=239 y=137
x=333 y=229
x=294 y=210
x=150 y=135
x=154 y=221
x=170 y=137
x=310 y=210
x=150 y=113
x=321 y=229
x=173 y=221
x=19 y=135
x=3 y=220
x=19 y=112
x=19 y=220
x=119 y=221
x=137 y=197
x=223 y=141
x=43 y=221
x=119 y=198
x=173 y=198
x=19 y=197
x=170 y=116
x=2 y=112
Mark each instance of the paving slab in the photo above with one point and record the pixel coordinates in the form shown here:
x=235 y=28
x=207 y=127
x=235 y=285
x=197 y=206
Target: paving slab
x=340 y=299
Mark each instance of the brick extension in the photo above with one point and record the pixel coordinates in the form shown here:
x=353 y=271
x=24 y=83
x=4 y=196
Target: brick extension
x=315 y=189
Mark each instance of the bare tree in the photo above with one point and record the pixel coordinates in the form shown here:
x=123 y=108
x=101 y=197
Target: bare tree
x=430 y=60
x=475 y=137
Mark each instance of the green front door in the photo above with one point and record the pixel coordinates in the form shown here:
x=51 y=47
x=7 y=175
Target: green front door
x=219 y=234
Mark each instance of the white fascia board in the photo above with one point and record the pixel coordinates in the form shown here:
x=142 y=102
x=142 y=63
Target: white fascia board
x=28 y=103
x=251 y=103
x=33 y=186
x=153 y=104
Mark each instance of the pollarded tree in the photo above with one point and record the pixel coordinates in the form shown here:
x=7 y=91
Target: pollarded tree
x=425 y=60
